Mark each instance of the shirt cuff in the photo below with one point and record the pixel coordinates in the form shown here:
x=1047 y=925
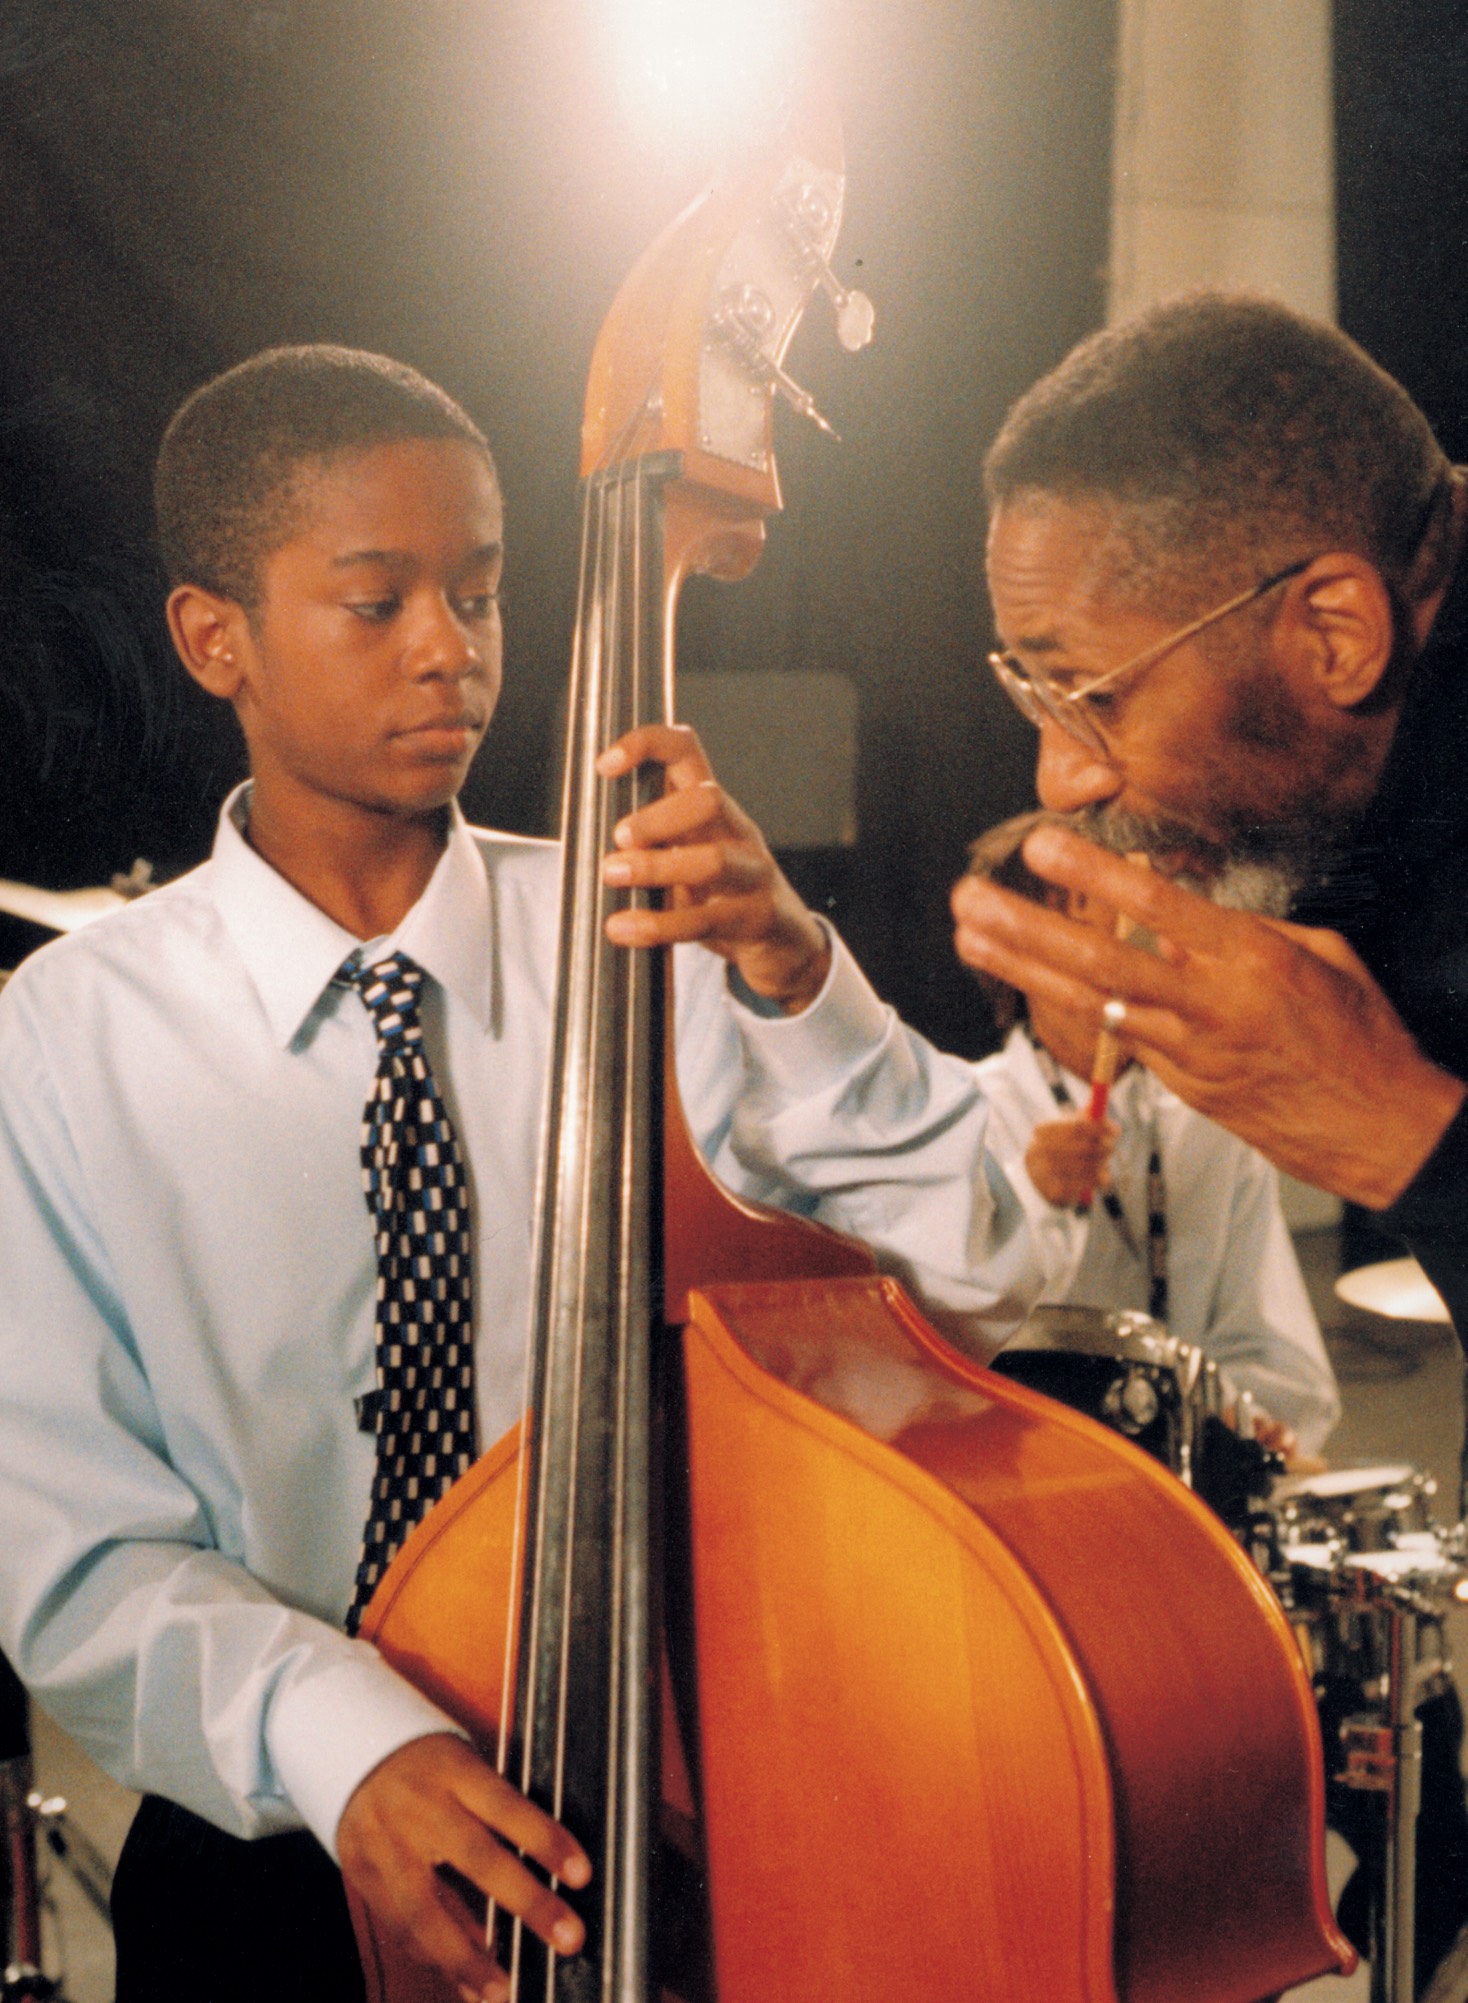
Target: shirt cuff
x=845 y=1020
x=332 y=1725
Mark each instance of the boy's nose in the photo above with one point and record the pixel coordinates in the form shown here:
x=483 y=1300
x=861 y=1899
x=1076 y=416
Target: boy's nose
x=1069 y=774
x=442 y=644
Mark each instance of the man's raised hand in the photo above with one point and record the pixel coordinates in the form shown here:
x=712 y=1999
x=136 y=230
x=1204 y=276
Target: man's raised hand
x=1277 y=1032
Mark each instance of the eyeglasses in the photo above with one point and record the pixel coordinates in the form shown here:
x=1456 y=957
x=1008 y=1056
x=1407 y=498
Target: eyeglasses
x=1037 y=697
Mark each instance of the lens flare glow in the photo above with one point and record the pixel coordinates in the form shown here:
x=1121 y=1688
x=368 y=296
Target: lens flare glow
x=711 y=68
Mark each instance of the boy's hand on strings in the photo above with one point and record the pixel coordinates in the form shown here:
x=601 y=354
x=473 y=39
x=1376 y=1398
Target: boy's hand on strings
x=723 y=886
x=1069 y=1160
x=435 y=1803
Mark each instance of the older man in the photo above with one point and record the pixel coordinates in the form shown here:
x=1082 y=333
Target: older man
x=1225 y=558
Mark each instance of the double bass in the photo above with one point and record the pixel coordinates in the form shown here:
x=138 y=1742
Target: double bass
x=857 y=1670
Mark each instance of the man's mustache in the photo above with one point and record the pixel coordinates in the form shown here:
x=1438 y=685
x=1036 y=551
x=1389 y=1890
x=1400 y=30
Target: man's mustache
x=1264 y=875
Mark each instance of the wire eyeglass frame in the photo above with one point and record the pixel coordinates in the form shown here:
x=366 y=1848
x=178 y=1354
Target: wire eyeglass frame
x=1038 y=699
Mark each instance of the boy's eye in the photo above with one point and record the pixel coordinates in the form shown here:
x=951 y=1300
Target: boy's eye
x=375 y=610
x=478 y=605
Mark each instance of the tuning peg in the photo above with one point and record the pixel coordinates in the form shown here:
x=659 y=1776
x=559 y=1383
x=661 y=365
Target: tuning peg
x=856 y=317
x=807 y=221
x=744 y=320
x=801 y=400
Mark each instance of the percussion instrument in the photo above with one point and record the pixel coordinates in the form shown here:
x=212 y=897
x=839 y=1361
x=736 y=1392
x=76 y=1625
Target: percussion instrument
x=1123 y=1368
x=1395 y=1287
x=69 y=910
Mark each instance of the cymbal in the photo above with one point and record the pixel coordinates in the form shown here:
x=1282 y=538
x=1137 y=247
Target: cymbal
x=58 y=910
x=69 y=910
x=1395 y=1287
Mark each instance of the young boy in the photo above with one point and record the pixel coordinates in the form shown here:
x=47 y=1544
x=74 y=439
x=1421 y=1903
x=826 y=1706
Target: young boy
x=1155 y=1208
x=189 y=1355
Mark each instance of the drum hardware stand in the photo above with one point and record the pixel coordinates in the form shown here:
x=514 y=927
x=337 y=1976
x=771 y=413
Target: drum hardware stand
x=25 y=1817
x=22 y=1976
x=1387 y=1760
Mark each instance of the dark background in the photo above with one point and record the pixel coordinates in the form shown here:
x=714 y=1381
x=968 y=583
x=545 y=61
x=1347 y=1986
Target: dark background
x=185 y=181
x=1402 y=196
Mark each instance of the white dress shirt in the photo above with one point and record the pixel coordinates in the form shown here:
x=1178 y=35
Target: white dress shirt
x=187 y=1304
x=1234 y=1287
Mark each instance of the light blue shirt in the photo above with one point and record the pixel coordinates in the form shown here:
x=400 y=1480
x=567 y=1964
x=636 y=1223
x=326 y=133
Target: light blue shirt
x=187 y=1307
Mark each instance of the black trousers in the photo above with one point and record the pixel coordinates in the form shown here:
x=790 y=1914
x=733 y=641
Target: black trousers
x=202 y=1917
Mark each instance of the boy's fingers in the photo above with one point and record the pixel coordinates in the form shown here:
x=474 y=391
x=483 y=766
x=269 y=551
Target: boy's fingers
x=671 y=745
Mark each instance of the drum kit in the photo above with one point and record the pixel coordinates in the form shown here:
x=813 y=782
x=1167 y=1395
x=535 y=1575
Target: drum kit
x=1364 y=1571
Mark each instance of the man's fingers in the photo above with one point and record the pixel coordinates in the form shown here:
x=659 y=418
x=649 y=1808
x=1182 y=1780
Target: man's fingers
x=424 y=1826
x=1044 y=953
x=1143 y=895
x=1325 y=945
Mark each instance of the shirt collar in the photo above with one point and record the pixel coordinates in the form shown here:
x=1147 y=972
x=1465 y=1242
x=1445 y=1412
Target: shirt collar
x=291 y=949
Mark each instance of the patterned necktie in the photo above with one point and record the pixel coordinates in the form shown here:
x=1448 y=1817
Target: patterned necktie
x=423 y=1408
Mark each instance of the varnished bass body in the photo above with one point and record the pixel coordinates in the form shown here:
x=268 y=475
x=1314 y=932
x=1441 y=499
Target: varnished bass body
x=991 y=1709
x=981 y=1705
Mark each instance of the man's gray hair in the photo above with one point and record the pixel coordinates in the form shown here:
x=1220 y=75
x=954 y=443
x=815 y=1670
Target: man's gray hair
x=1224 y=436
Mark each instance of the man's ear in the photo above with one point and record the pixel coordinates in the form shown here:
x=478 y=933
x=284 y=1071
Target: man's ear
x=209 y=633
x=1343 y=615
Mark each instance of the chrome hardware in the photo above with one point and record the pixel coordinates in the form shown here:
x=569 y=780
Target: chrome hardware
x=745 y=320
x=807 y=220
x=1132 y=1403
x=768 y=273
x=1371 y=1758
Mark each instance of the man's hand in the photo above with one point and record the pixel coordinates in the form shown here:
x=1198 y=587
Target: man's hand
x=1277 y=1032
x=1069 y=1160
x=433 y=1802
x=724 y=887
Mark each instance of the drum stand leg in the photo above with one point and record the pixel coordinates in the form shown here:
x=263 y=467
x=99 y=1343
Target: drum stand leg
x=1394 y=1950
x=21 y=1976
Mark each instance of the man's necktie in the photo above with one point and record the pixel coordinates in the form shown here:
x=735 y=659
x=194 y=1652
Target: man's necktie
x=423 y=1408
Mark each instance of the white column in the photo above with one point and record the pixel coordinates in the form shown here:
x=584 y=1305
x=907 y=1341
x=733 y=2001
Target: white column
x=1223 y=173
x=1223 y=166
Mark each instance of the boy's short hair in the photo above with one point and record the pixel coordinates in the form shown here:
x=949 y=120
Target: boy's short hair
x=227 y=484
x=996 y=855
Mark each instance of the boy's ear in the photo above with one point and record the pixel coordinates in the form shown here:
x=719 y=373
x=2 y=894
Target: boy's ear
x=208 y=632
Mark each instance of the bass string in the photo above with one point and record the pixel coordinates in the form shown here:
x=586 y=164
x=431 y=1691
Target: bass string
x=603 y=701
x=586 y=674
x=632 y=981
x=602 y=695
x=620 y=700
x=600 y=635
x=507 y=1671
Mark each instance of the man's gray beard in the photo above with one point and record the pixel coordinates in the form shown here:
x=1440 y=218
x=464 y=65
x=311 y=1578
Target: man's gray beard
x=1264 y=873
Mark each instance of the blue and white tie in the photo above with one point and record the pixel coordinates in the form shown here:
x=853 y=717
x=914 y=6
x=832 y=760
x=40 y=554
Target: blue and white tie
x=423 y=1408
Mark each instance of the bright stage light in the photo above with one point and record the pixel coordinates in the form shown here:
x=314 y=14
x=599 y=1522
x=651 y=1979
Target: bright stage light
x=714 y=69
